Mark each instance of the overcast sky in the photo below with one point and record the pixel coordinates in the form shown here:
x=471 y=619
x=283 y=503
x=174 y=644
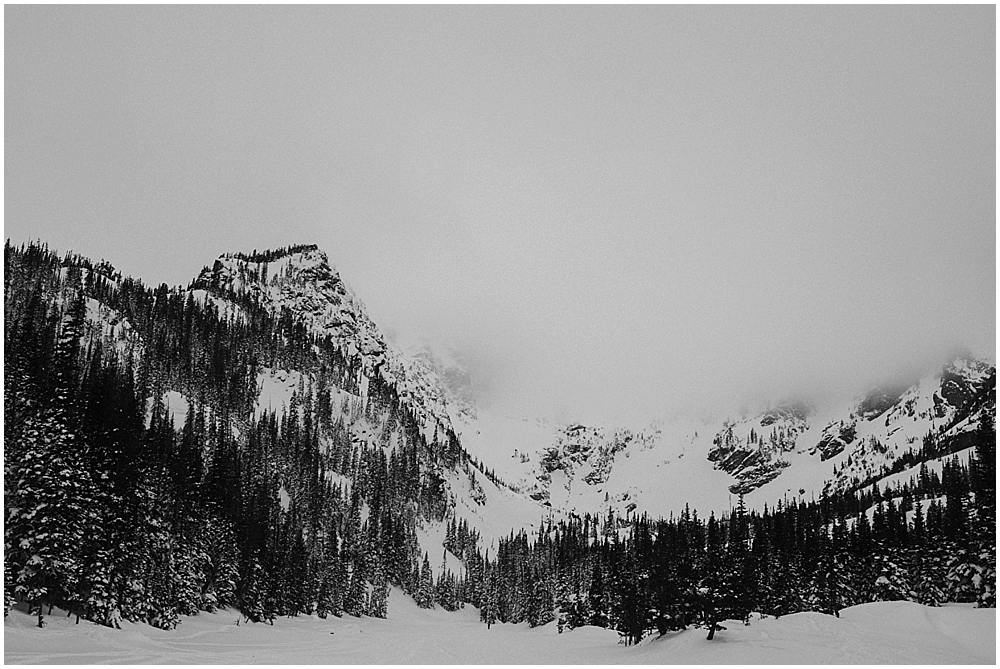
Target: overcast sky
x=612 y=209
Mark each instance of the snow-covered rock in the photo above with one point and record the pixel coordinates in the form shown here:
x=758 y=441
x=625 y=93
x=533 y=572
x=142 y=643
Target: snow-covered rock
x=791 y=450
x=300 y=282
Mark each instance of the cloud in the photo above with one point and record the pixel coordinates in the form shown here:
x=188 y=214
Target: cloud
x=612 y=209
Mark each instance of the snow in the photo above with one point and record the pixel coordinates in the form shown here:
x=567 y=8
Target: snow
x=228 y=311
x=276 y=387
x=497 y=440
x=878 y=633
x=671 y=473
x=431 y=539
x=109 y=327
x=670 y=470
x=503 y=512
x=177 y=407
x=363 y=433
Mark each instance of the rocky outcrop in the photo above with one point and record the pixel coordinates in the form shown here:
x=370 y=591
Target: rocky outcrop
x=752 y=449
x=837 y=436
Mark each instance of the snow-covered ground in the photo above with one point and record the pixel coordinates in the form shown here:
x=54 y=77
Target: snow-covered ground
x=880 y=633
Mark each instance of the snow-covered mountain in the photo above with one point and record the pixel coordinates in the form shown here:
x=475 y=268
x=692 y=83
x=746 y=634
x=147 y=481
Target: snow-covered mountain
x=299 y=283
x=302 y=284
x=303 y=461
x=537 y=467
x=298 y=286
x=790 y=450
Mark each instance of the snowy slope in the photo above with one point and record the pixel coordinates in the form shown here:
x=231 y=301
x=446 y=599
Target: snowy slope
x=657 y=468
x=877 y=633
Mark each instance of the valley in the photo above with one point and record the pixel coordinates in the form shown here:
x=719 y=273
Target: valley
x=260 y=445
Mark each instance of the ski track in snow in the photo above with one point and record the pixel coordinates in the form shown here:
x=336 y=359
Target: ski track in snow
x=879 y=633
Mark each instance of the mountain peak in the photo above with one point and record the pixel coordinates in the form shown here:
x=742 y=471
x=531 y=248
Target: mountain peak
x=276 y=254
x=301 y=280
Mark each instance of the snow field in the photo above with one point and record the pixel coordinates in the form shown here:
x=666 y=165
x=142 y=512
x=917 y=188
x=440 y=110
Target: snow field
x=227 y=310
x=431 y=536
x=878 y=633
x=503 y=512
x=276 y=388
x=177 y=407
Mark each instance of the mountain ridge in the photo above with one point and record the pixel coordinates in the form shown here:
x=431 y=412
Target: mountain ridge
x=258 y=436
x=301 y=279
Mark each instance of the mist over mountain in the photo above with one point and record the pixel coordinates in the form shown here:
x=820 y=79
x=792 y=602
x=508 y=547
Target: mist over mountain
x=254 y=440
x=612 y=211
x=657 y=320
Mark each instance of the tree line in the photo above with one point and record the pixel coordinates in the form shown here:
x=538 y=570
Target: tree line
x=640 y=575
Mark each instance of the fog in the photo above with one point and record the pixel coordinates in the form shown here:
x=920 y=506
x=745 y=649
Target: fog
x=611 y=211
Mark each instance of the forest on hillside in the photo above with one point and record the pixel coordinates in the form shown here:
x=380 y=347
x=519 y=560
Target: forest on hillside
x=116 y=512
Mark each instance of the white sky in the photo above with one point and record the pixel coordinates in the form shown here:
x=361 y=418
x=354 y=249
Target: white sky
x=611 y=209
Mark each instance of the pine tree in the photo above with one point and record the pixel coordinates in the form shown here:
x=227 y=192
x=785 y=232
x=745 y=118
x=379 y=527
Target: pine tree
x=252 y=595
x=986 y=467
x=424 y=594
x=596 y=599
x=379 y=600
x=892 y=582
x=488 y=610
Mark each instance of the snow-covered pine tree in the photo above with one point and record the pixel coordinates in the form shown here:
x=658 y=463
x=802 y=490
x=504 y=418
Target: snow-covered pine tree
x=963 y=575
x=424 y=594
x=892 y=582
x=252 y=597
x=488 y=609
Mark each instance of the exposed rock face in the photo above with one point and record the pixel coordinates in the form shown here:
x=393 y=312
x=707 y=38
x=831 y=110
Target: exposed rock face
x=963 y=382
x=880 y=400
x=754 y=477
x=582 y=452
x=837 y=436
x=751 y=465
x=752 y=452
x=300 y=283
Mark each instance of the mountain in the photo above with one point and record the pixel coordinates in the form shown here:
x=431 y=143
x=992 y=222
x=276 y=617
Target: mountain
x=579 y=468
x=299 y=286
x=253 y=437
x=254 y=440
x=790 y=450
